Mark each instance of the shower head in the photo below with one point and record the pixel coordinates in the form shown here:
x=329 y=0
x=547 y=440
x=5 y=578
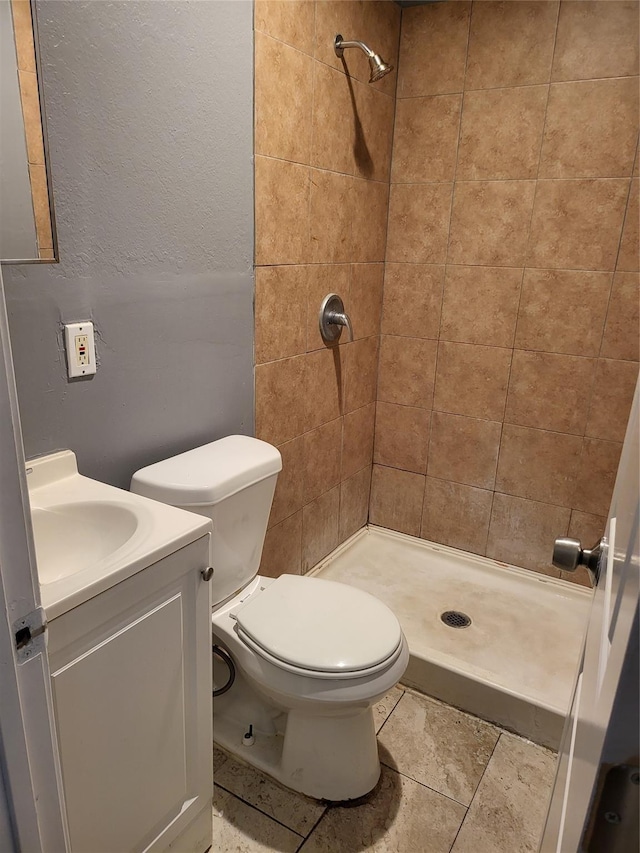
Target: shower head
x=379 y=68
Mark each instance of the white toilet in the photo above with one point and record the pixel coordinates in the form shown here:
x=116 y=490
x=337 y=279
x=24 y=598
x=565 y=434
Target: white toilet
x=308 y=657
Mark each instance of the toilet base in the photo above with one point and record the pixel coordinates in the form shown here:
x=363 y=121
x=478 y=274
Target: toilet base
x=328 y=757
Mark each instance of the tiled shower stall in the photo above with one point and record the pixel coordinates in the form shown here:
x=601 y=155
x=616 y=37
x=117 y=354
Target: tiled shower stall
x=477 y=210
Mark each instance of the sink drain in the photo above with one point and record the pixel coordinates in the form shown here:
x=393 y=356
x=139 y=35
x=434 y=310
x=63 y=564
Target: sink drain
x=455 y=619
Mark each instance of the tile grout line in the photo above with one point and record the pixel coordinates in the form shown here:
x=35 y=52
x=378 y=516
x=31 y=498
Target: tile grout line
x=259 y=810
x=476 y=791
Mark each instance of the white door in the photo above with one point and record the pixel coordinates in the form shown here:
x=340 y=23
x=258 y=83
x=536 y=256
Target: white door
x=594 y=804
x=30 y=772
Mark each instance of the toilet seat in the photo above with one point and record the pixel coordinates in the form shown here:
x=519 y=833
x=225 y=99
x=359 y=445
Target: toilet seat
x=319 y=628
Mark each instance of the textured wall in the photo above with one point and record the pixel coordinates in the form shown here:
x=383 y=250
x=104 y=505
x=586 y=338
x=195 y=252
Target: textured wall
x=323 y=146
x=150 y=124
x=509 y=349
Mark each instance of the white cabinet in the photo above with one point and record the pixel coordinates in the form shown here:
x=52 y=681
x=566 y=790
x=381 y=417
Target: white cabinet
x=131 y=675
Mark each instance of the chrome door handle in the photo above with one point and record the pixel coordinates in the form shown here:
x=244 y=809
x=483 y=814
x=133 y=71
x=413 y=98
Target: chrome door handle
x=568 y=554
x=207 y=574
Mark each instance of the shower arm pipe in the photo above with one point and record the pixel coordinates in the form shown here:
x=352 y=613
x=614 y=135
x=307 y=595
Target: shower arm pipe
x=341 y=44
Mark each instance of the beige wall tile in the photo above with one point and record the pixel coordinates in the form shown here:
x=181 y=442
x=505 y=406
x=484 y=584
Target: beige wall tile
x=510 y=44
x=522 y=532
x=290 y=21
x=550 y=391
x=282 y=552
x=320 y=528
x=433 y=49
x=591 y=129
x=538 y=465
x=596 y=39
x=456 y=515
x=283 y=99
x=596 y=476
x=369 y=211
x=501 y=133
x=464 y=450
x=381 y=21
x=354 y=503
x=406 y=371
x=23 y=35
x=373 y=131
x=480 y=305
x=288 y=497
x=396 y=499
x=280 y=399
x=402 y=437
x=322 y=459
x=323 y=279
x=360 y=373
x=615 y=383
x=629 y=254
x=622 y=329
x=490 y=222
x=330 y=217
x=425 y=139
x=333 y=17
x=412 y=300
x=278 y=290
x=472 y=380
x=357 y=440
x=322 y=392
x=30 y=99
x=549 y=297
x=282 y=212
x=332 y=146
x=576 y=224
x=365 y=299
x=418 y=223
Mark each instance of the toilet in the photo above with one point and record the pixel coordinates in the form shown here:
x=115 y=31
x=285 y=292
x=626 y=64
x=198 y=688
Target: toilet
x=298 y=661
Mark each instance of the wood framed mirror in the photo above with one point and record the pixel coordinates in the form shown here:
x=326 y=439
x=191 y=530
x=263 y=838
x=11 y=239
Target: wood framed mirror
x=27 y=221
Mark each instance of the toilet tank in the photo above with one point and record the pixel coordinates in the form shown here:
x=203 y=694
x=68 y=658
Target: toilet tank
x=230 y=481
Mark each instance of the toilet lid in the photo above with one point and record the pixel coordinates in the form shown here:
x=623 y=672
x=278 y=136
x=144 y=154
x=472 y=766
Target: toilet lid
x=320 y=625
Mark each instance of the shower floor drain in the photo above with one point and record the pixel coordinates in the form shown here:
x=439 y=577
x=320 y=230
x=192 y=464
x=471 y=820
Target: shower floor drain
x=455 y=619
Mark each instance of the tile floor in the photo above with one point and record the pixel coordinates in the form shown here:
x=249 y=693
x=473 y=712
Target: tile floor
x=450 y=782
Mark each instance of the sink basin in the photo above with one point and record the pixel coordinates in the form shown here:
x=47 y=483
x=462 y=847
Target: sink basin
x=71 y=537
x=89 y=536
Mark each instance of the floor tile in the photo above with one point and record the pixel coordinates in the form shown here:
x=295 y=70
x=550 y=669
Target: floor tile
x=383 y=708
x=401 y=816
x=509 y=808
x=294 y=810
x=439 y=746
x=239 y=828
x=219 y=758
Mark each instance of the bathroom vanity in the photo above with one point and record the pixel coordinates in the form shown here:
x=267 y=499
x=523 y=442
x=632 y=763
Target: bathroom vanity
x=129 y=646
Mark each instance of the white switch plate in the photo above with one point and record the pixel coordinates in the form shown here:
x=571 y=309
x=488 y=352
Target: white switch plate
x=81 y=349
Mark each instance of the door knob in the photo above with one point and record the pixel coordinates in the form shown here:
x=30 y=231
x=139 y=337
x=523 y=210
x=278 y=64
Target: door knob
x=568 y=554
x=207 y=574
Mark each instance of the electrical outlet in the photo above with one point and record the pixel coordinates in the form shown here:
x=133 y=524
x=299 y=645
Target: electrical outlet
x=81 y=351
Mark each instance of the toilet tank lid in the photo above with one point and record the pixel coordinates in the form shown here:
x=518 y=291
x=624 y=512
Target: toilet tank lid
x=208 y=474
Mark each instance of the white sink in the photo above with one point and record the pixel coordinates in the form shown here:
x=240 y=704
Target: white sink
x=71 y=537
x=89 y=536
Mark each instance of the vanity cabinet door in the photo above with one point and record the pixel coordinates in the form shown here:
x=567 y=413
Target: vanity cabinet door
x=131 y=675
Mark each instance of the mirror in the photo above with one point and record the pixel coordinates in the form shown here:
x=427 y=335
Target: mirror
x=27 y=225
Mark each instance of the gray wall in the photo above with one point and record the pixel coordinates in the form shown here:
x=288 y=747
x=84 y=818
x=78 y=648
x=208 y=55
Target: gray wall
x=150 y=116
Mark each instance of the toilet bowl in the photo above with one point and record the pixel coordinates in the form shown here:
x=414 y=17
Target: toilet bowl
x=303 y=659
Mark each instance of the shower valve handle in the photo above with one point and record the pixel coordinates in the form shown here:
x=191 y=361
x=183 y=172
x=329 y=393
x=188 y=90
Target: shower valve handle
x=332 y=318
